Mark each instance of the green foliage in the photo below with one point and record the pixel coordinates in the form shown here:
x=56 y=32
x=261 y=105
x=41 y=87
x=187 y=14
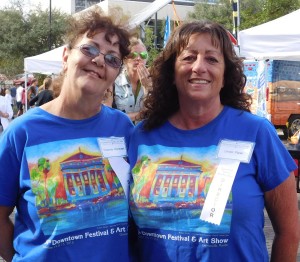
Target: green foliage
x=221 y=13
x=43 y=165
x=35 y=174
x=278 y=8
x=149 y=43
x=23 y=35
x=252 y=12
x=137 y=168
x=51 y=187
x=40 y=78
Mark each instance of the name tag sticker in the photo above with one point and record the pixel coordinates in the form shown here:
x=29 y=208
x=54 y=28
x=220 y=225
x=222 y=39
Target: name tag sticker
x=114 y=149
x=112 y=146
x=236 y=150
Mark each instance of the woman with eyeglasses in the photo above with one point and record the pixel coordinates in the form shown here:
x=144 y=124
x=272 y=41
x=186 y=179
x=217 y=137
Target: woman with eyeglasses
x=63 y=165
x=132 y=85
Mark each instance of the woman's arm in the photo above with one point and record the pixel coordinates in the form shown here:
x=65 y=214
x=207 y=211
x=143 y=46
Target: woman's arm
x=282 y=208
x=9 y=110
x=6 y=232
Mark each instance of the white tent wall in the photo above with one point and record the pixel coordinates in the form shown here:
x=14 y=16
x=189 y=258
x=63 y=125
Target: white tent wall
x=277 y=40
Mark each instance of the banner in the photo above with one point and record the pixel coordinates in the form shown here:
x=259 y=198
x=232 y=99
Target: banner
x=167 y=31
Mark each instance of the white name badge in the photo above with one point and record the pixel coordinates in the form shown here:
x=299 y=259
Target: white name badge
x=219 y=190
x=236 y=150
x=231 y=154
x=114 y=150
x=112 y=146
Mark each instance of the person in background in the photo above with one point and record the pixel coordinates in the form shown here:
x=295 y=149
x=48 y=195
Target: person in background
x=63 y=164
x=13 y=91
x=32 y=90
x=2 y=91
x=132 y=85
x=204 y=168
x=8 y=97
x=6 y=111
x=19 y=96
x=45 y=95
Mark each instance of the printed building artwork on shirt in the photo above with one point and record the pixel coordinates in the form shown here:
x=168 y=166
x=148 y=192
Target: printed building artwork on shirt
x=74 y=186
x=169 y=189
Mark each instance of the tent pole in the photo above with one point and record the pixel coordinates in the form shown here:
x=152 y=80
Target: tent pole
x=155 y=31
x=26 y=80
x=50 y=19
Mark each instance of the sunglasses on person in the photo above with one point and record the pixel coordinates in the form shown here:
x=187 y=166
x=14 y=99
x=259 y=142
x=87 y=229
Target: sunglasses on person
x=92 y=51
x=143 y=55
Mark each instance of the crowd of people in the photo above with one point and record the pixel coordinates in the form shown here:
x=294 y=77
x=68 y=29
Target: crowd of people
x=121 y=162
x=19 y=99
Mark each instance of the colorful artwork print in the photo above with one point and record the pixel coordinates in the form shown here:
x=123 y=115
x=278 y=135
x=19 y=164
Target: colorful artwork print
x=170 y=187
x=72 y=182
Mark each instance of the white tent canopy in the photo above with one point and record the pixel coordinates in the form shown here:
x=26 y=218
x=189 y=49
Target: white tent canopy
x=278 y=39
x=46 y=63
x=147 y=12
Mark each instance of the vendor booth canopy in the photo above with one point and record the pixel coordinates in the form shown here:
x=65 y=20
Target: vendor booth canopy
x=47 y=63
x=278 y=39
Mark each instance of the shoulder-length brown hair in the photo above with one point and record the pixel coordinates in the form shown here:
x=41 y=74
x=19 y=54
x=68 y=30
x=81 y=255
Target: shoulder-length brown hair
x=162 y=101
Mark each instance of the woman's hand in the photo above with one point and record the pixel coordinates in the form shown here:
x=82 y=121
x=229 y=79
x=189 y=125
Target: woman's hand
x=144 y=76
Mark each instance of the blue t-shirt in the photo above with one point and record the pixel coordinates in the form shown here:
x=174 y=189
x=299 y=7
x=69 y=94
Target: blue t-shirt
x=70 y=203
x=172 y=171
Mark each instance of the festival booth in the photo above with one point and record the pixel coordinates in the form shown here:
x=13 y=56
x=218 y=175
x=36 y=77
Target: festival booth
x=278 y=39
x=272 y=67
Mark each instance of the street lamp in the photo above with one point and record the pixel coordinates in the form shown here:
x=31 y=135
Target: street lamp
x=49 y=36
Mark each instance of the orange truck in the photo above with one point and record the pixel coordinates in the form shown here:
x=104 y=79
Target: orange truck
x=275 y=89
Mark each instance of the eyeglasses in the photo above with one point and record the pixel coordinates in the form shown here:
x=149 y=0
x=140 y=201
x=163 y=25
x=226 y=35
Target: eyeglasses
x=92 y=51
x=143 y=55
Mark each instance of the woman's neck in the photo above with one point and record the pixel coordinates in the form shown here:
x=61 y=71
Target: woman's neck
x=192 y=119
x=73 y=109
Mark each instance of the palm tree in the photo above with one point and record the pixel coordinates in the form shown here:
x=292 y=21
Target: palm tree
x=44 y=166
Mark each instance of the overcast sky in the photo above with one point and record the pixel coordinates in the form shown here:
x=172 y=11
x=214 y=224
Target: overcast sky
x=64 y=5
